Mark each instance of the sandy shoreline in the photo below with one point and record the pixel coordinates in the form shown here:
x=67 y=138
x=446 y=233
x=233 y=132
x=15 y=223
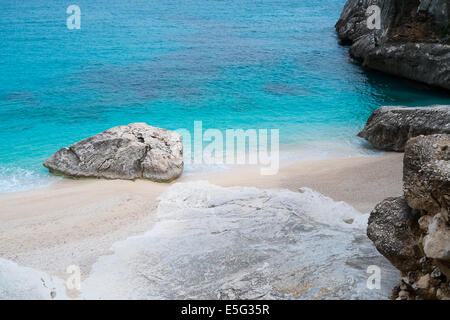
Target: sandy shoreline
x=76 y=221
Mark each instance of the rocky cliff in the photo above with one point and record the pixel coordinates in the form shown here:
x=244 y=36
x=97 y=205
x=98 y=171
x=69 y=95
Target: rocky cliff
x=413 y=40
x=413 y=231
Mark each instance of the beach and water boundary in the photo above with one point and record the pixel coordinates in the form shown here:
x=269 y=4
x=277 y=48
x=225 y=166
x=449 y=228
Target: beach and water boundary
x=241 y=78
x=76 y=221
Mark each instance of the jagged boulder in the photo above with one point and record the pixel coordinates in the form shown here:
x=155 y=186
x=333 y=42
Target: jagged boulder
x=352 y=23
x=426 y=173
x=426 y=179
x=394 y=229
x=413 y=41
x=389 y=128
x=130 y=151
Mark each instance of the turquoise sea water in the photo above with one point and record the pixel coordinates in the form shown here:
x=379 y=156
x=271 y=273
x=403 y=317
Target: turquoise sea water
x=231 y=64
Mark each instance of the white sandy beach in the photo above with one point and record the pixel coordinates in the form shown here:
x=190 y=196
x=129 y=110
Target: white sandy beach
x=76 y=221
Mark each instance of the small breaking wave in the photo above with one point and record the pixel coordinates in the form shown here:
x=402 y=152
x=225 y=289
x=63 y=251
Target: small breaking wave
x=13 y=179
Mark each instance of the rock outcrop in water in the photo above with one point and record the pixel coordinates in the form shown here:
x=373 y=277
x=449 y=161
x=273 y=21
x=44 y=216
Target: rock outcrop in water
x=414 y=232
x=413 y=41
x=131 y=151
x=389 y=128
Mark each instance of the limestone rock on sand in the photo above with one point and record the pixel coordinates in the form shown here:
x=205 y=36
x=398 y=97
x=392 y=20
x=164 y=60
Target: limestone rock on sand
x=389 y=128
x=412 y=42
x=130 y=151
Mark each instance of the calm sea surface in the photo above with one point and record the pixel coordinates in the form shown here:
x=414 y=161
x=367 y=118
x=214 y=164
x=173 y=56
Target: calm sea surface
x=231 y=64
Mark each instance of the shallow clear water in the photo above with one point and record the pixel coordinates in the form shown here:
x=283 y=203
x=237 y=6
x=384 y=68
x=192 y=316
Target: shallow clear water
x=231 y=64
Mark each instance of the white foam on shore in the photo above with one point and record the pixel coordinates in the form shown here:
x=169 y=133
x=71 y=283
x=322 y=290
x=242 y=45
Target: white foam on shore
x=13 y=179
x=288 y=155
x=330 y=149
x=16 y=179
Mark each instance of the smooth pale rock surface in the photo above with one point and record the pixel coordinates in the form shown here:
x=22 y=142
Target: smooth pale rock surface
x=426 y=173
x=437 y=241
x=244 y=243
x=131 y=151
x=394 y=230
x=389 y=128
x=413 y=41
x=211 y=242
x=22 y=283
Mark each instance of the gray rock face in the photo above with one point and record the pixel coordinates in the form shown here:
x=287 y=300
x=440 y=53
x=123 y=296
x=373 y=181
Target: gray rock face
x=423 y=62
x=426 y=173
x=395 y=232
x=438 y=9
x=414 y=232
x=352 y=23
x=413 y=41
x=389 y=128
x=131 y=151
